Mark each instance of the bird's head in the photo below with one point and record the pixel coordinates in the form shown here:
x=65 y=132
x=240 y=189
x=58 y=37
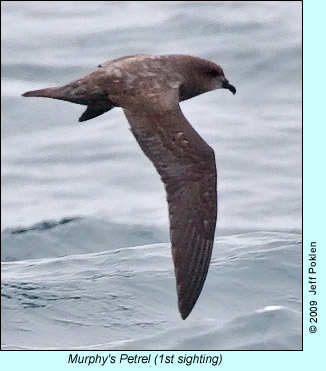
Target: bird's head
x=215 y=77
x=202 y=76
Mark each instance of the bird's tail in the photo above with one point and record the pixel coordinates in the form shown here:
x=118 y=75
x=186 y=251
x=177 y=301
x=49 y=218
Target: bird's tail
x=48 y=93
x=66 y=93
x=77 y=92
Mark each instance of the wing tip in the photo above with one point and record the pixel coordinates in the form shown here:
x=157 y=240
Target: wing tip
x=185 y=308
x=184 y=315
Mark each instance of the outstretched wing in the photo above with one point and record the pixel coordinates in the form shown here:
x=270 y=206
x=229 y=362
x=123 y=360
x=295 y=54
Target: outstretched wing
x=186 y=164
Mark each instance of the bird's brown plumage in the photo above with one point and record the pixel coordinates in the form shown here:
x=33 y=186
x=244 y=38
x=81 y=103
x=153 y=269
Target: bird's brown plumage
x=187 y=168
x=149 y=90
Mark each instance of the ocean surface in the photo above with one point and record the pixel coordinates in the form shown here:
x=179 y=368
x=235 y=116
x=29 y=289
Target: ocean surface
x=86 y=261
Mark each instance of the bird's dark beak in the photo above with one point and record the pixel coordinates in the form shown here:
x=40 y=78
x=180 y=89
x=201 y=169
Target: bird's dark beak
x=226 y=85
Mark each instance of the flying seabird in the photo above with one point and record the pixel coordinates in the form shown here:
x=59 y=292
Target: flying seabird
x=148 y=89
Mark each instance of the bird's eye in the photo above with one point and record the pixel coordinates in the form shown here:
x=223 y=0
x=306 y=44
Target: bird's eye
x=214 y=73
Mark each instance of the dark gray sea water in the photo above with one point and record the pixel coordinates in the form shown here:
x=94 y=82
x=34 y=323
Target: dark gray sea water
x=86 y=261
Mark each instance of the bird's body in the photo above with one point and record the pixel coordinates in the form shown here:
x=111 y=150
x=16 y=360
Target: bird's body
x=149 y=89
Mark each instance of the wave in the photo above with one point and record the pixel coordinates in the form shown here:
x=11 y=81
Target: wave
x=124 y=297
